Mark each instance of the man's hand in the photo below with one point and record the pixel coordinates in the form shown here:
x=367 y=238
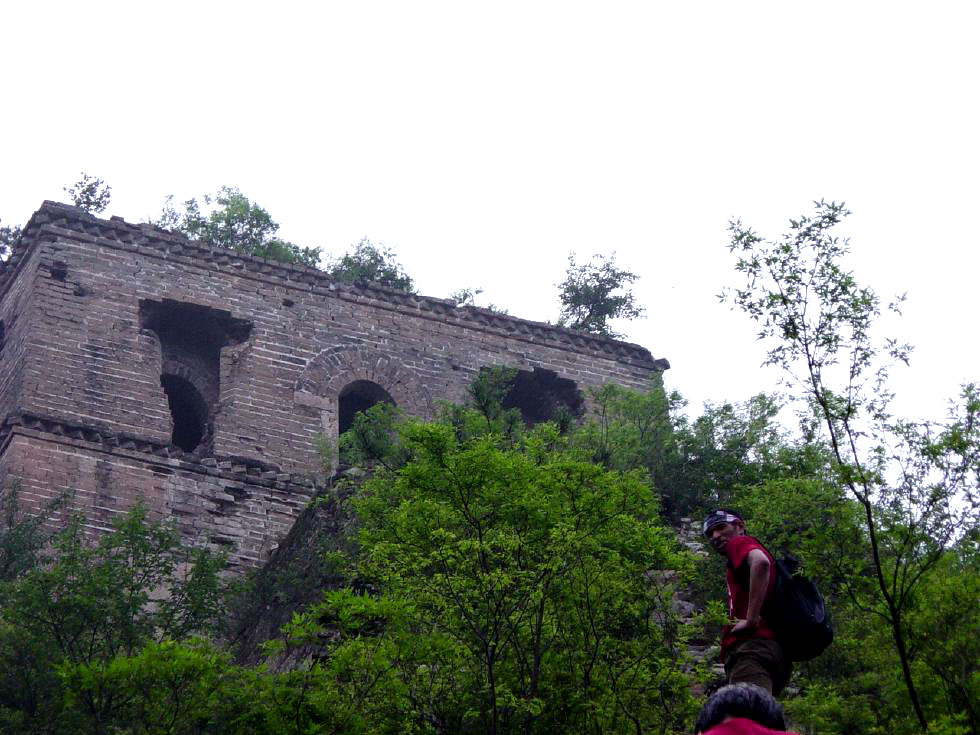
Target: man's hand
x=746 y=625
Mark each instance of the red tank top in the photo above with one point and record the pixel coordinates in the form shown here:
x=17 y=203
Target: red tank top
x=737 y=550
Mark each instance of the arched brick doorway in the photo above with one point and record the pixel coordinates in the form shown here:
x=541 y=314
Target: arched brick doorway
x=336 y=369
x=357 y=396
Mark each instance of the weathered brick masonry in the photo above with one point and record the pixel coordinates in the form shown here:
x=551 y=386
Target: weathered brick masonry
x=137 y=364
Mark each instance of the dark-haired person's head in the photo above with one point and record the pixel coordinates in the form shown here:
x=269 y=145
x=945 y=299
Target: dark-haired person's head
x=721 y=526
x=741 y=700
x=718 y=517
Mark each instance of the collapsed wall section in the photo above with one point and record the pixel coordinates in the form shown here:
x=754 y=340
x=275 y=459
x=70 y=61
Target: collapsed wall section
x=142 y=344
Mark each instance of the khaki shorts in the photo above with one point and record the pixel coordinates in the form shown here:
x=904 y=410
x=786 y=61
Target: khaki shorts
x=759 y=661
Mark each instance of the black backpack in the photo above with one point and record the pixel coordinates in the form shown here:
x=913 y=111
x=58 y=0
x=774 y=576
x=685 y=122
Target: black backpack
x=796 y=612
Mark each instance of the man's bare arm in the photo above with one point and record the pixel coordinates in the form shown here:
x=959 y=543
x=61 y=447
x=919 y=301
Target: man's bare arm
x=758 y=585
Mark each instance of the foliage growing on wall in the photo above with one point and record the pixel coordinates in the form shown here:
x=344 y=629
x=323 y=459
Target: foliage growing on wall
x=593 y=293
x=367 y=262
x=90 y=193
x=228 y=219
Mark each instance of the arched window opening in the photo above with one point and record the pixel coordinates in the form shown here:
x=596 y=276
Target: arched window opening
x=189 y=411
x=191 y=339
x=541 y=395
x=359 y=396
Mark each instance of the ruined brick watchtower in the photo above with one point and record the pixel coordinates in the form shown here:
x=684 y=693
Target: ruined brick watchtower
x=135 y=363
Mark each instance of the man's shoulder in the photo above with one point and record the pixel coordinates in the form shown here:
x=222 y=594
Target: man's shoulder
x=739 y=547
x=747 y=543
x=740 y=726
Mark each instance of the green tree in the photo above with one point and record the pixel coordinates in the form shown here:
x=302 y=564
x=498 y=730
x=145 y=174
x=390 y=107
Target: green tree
x=521 y=582
x=165 y=688
x=486 y=394
x=96 y=601
x=694 y=464
x=857 y=684
x=943 y=629
x=596 y=292
x=370 y=263
x=467 y=297
x=23 y=537
x=371 y=441
x=371 y=664
x=228 y=219
x=90 y=193
x=9 y=235
x=914 y=483
x=631 y=429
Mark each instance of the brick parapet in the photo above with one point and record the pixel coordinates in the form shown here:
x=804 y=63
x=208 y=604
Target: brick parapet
x=54 y=220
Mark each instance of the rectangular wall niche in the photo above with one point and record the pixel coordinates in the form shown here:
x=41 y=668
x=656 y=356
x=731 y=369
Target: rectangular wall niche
x=191 y=338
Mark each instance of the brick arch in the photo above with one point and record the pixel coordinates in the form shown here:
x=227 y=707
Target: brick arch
x=192 y=369
x=329 y=372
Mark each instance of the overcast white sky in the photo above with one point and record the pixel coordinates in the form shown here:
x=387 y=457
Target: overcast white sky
x=484 y=141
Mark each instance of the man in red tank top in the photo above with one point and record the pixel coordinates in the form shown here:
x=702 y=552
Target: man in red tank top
x=749 y=648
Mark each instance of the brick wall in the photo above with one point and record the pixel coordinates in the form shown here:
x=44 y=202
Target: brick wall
x=101 y=309
x=242 y=509
x=16 y=309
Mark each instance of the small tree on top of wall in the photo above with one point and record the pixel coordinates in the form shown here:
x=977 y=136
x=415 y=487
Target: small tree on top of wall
x=90 y=193
x=596 y=292
x=228 y=219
